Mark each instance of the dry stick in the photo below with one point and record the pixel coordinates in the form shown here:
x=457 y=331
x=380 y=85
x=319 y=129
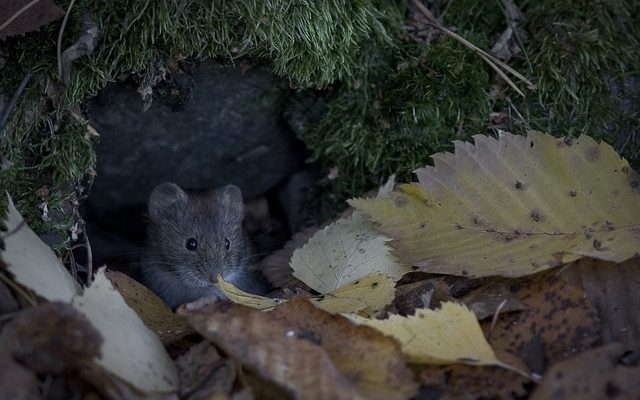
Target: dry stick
x=14 y=101
x=89 y=258
x=495 y=317
x=488 y=58
x=59 y=46
x=18 y=13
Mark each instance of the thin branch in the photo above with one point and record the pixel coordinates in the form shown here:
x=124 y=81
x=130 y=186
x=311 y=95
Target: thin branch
x=18 y=13
x=14 y=100
x=493 y=62
x=59 y=46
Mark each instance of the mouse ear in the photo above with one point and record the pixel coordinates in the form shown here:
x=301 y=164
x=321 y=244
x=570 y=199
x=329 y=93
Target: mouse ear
x=164 y=198
x=231 y=199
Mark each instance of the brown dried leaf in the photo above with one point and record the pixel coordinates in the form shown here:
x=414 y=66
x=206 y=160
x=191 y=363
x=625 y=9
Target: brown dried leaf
x=484 y=301
x=155 y=314
x=204 y=373
x=594 y=374
x=43 y=13
x=308 y=352
x=52 y=338
x=557 y=313
x=615 y=291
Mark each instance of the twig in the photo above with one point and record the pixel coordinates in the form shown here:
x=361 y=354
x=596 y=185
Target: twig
x=493 y=62
x=89 y=258
x=14 y=100
x=495 y=317
x=59 y=46
x=18 y=13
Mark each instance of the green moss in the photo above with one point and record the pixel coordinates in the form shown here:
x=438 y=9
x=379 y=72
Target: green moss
x=309 y=42
x=584 y=52
x=401 y=113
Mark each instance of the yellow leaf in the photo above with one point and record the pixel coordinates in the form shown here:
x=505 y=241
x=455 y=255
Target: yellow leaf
x=446 y=336
x=366 y=296
x=246 y=299
x=514 y=206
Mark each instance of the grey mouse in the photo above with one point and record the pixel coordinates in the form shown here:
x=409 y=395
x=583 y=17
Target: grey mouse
x=193 y=237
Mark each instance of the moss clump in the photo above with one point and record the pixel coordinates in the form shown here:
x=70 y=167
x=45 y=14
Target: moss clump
x=584 y=56
x=403 y=109
x=311 y=43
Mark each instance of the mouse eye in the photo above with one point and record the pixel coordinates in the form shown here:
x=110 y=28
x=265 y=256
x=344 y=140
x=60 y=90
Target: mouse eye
x=227 y=244
x=191 y=244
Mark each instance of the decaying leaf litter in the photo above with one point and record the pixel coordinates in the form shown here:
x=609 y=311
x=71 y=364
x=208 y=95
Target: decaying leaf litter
x=378 y=326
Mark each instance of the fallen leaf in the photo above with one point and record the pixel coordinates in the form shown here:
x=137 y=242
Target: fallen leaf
x=33 y=263
x=32 y=19
x=445 y=336
x=154 y=312
x=247 y=299
x=514 y=206
x=16 y=381
x=204 y=373
x=51 y=338
x=130 y=350
x=366 y=296
x=343 y=252
x=594 y=374
x=276 y=266
x=306 y=351
x=428 y=293
x=614 y=289
x=557 y=314
x=491 y=297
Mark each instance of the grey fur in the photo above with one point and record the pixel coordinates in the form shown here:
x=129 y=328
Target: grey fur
x=179 y=275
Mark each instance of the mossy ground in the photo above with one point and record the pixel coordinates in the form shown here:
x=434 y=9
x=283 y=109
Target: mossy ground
x=387 y=103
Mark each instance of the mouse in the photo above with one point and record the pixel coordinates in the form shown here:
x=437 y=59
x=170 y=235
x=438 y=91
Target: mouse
x=191 y=238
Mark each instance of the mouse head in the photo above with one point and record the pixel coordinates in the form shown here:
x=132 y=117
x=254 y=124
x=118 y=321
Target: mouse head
x=197 y=236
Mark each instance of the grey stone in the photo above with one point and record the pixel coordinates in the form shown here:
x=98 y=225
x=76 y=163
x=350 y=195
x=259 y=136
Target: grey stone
x=208 y=127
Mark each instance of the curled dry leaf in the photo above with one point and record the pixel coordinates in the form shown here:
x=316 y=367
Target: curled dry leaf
x=33 y=263
x=51 y=338
x=514 y=206
x=449 y=335
x=594 y=374
x=130 y=350
x=343 y=252
x=367 y=296
x=275 y=266
x=307 y=352
x=155 y=314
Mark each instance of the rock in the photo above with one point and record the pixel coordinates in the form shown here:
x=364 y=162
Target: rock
x=206 y=127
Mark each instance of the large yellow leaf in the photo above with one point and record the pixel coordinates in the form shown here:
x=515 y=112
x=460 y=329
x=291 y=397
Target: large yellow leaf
x=513 y=206
x=448 y=335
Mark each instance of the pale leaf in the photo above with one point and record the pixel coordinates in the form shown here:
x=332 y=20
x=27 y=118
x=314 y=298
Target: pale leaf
x=514 y=206
x=33 y=263
x=130 y=351
x=344 y=252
